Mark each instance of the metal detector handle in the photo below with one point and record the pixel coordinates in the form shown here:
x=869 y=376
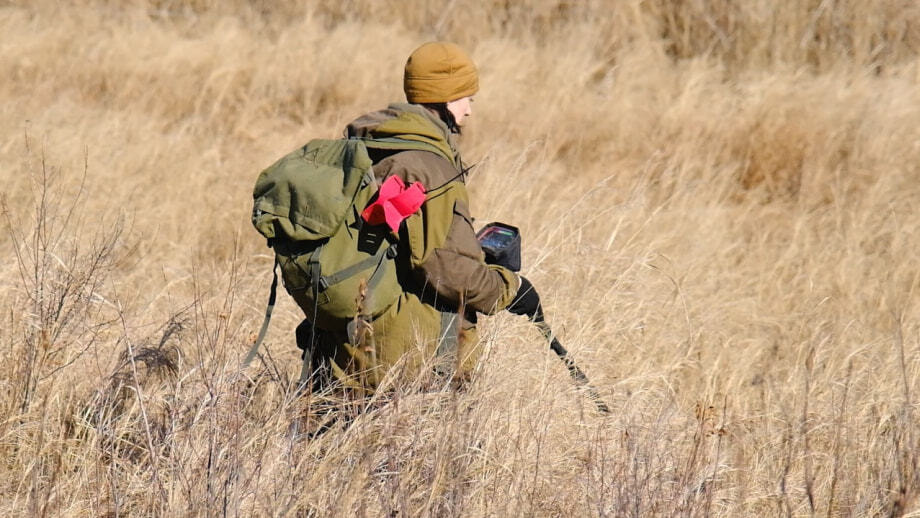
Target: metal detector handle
x=577 y=374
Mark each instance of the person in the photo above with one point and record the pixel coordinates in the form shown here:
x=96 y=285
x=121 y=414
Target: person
x=441 y=269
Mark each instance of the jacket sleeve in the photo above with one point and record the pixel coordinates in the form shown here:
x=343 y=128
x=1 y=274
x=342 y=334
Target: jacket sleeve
x=447 y=258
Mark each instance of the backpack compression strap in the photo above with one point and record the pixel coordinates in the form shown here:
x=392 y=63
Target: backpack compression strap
x=325 y=281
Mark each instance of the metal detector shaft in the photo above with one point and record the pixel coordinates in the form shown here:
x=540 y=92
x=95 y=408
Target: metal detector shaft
x=580 y=378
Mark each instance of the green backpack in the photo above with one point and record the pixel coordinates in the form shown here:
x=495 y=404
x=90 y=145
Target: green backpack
x=308 y=205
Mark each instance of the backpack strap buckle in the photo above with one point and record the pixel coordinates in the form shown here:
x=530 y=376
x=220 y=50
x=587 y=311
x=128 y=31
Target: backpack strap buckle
x=320 y=284
x=391 y=251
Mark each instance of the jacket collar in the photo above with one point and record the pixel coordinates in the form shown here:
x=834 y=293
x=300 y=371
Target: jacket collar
x=406 y=122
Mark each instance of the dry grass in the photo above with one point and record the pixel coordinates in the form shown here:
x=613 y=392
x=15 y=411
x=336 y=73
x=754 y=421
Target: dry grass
x=720 y=207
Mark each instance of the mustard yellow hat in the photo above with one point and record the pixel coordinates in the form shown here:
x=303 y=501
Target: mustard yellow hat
x=439 y=72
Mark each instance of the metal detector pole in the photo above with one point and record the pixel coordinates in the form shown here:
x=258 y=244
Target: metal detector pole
x=580 y=379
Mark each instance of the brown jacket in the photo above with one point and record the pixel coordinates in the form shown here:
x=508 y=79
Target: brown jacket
x=445 y=263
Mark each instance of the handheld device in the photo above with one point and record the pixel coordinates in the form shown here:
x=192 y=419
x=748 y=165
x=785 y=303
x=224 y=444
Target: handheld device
x=501 y=244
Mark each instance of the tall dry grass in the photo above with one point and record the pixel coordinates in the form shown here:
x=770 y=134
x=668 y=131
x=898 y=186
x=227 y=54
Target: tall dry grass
x=720 y=207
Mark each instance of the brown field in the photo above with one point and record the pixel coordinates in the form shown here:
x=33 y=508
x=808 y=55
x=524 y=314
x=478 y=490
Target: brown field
x=720 y=204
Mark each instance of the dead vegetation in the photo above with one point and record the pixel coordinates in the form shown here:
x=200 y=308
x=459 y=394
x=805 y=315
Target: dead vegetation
x=719 y=205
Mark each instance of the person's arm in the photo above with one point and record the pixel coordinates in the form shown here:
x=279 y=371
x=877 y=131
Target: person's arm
x=444 y=256
x=447 y=258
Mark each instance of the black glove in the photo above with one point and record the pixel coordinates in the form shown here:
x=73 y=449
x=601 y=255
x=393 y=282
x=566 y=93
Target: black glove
x=527 y=301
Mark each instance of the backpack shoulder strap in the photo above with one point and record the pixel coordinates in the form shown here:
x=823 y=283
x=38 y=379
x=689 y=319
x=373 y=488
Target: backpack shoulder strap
x=273 y=293
x=405 y=144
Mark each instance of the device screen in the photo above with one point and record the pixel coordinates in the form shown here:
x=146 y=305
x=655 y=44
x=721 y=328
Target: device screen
x=497 y=238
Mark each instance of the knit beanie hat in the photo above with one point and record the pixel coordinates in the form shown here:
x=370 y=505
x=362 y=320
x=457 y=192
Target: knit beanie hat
x=439 y=72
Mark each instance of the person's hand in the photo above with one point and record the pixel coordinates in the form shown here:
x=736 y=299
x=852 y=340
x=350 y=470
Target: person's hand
x=527 y=301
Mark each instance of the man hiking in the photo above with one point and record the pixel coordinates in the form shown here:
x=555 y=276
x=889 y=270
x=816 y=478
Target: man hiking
x=417 y=224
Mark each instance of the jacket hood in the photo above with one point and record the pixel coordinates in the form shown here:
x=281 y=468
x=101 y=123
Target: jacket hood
x=405 y=122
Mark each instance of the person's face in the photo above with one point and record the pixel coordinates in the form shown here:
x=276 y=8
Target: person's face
x=461 y=109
